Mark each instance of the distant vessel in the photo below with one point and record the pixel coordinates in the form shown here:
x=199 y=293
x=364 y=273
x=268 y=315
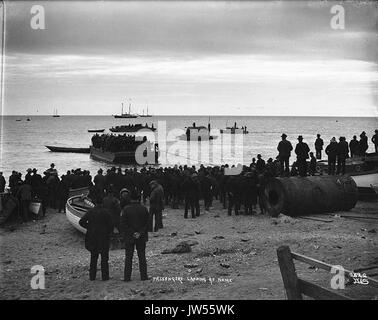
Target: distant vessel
x=126 y=115
x=56 y=115
x=132 y=128
x=28 y=119
x=145 y=115
x=234 y=130
x=96 y=130
x=195 y=133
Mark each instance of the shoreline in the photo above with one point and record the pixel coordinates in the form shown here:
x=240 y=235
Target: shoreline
x=240 y=248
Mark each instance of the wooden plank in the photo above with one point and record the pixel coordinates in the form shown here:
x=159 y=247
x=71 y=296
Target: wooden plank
x=327 y=267
x=319 y=293
x=315 y=219
x=288 y=273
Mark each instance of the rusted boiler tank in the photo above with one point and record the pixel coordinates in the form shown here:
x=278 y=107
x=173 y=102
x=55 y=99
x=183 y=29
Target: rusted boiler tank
x=297 y=196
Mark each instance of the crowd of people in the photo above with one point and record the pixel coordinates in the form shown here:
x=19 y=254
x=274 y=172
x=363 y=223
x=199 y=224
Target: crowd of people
x=116 y=143
x=120 y=195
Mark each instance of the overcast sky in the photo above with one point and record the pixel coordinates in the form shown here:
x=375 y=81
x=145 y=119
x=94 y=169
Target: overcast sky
x=207 y=58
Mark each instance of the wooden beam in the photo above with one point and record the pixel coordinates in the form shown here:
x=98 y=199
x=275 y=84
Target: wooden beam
x=319 y=293
x=288 y=273
x=328 y=267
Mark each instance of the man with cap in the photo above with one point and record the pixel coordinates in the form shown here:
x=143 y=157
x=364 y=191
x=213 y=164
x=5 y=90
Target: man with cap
x=363 y=143
x=354 y=147
x=318 y=146
x=374 y=139
x=156 y=205
x=99 y=226
x=331 y=151
x=2 y=182
x=124 y=196
x=342 y=154
x=284 y=151
x=134 y=227
x=99 y=182
x=28 y=176
x=302 y=150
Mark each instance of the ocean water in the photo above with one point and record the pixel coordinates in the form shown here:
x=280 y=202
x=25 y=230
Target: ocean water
x=23 y=142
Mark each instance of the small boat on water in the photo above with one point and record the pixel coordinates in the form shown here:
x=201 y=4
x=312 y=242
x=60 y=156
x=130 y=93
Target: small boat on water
x=132 y=128
x=96 y=130
x=56 y=115
x=145 y=115
x=234 y=130
x=76 y=207
x=68 y=149
x=197 y=133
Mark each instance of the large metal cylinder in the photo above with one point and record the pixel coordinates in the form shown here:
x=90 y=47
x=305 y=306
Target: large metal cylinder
x=298 y=196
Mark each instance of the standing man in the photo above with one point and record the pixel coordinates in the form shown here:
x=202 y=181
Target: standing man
x=99 y=182
x=363 y=143
x=354 y=147
x=331 y=152
x=302 y=151
x=312 y=164
x=2 y=182
x=99 y=226
x=284 y=151
x=134 y=226
x=156 y=205
x=319 y=146
x=342 y=154
x=374 y=139
x=24 y=195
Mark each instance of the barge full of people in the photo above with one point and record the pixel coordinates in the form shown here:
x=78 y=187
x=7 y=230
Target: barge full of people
x=124 y=149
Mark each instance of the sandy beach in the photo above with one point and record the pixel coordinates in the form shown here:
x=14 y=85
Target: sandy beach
x=232 y=257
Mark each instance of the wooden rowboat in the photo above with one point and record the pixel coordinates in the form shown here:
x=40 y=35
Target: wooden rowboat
x=78 y=192
x=67 y=149
x=76 y=208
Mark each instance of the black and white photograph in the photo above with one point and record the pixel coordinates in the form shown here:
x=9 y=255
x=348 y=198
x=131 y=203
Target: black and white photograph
x=190 y=155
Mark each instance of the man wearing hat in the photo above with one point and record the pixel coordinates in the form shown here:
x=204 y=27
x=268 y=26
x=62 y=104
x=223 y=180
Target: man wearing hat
x=28 y=176
x=318 y=147
x=134 y=227
x=284 y=151
x=156 y=205
x=363 y=143
x=331 y=151
x=302 y=150
x=99 y=226
x=374 y=139
x=342 y=154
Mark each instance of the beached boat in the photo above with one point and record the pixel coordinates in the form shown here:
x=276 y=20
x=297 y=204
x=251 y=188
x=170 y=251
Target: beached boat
x=67 y=149
x=78 y=192
x=96 y=130
x=76 y=208
x=367 y=181
x=131 y=128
